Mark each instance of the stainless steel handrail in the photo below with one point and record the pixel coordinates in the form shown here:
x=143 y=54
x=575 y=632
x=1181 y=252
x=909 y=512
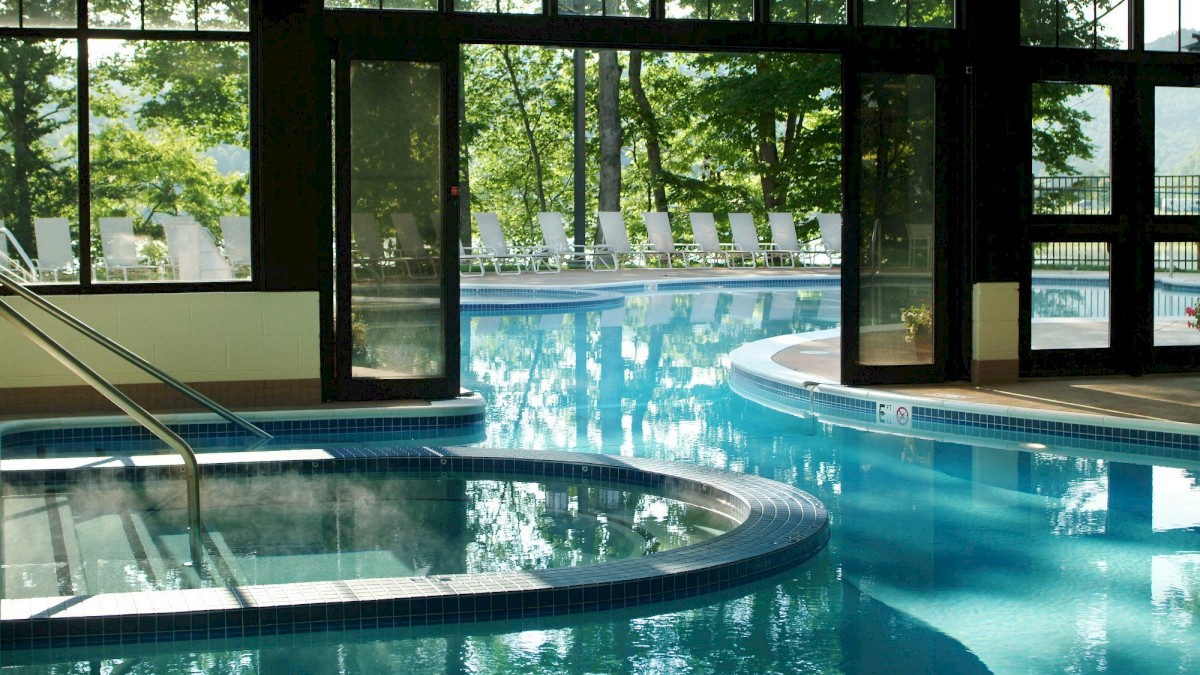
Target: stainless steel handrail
x=137 y=412
x=43 y=304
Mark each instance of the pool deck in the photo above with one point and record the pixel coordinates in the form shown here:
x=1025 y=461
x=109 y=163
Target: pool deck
x=1172 y=398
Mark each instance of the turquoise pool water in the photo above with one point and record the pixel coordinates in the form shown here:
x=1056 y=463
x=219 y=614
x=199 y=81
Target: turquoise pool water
x=944 y=558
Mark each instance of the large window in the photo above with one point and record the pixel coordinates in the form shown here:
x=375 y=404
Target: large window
x=662 y=135
x=1088 y=24
x=1072 y=143
x=160 y=190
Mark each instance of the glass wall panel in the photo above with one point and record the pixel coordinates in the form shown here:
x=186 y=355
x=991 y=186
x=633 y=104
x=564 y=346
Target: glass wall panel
x=396 y=175
x=1070 y=286
x=115 y=14
x=809 y=11
x=1039 y=22
x=1171 y=25
x=884 y=12
x=1111 y=20
x=896 y=118
x=170 y=160
x=605 y=7
x=223 y=15
x=1176 y=151
x=169 y=14
x=49 y=13
x=716 y=10
x=682 y=146
x=499 y=6
x=39 y=172
x=1088 y=24
x=909 y=13
x=354 y=4
x=1176 y=293
x=931 y=14
x=1072 y=141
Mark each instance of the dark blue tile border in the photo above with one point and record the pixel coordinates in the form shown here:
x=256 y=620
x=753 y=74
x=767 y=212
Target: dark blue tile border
x=985 y=424
x=780 y=527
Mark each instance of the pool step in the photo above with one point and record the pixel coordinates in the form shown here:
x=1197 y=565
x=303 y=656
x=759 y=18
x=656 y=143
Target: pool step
x=49 y=549
x=32 y=548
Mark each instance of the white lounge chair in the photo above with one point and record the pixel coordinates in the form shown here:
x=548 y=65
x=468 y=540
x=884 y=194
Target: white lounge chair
x=235 y=233
x=830 y=243
x=661 y=240
x=193 y=251
x=786 y=247
x=120 y=248
x=496 y=248
x=708 y=243
x=13 y=258
x=421 y=262
x=920 y=240
x=53 y=236
x=553 y=236
x=747 y=249
x=470 y=258
x=616 y=242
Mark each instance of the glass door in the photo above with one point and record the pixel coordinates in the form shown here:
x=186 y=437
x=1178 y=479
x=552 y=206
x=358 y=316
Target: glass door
x=895 y=269
x=396 y=286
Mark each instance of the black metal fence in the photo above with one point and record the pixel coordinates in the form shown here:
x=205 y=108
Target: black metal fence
x=1177 y=195
x=1169 y=256
x=1072 y=195
x=1071 y=255
x=1092 y=195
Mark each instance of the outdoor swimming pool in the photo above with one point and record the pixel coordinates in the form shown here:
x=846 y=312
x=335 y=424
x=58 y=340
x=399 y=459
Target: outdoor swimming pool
x=944 y=557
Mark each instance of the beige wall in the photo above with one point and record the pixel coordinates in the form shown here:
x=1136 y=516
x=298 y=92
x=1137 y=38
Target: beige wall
x=995 y=336
x=195 y=337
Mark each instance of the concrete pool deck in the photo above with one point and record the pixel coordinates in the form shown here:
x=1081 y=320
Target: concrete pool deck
x=1171 y=397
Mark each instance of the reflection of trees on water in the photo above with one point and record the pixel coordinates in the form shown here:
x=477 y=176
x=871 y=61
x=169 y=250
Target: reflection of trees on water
x=656 y=385
x=1070 y=303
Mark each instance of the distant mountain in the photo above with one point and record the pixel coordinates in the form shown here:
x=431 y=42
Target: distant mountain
x=1176 y=137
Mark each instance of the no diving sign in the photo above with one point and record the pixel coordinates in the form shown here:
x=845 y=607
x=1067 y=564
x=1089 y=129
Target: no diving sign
x=894 y=414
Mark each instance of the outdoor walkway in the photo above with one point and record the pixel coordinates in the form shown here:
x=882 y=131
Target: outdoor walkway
x=1174 y=398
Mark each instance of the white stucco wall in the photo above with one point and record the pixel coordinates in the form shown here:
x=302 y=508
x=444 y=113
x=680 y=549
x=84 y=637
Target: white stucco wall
x=195 y=337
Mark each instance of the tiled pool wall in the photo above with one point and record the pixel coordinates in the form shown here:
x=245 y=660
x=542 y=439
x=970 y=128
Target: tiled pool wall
x=459 y=422
x=780 y=527
x=965 y=422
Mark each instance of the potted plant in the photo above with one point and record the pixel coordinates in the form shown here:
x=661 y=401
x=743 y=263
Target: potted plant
x=918 y=327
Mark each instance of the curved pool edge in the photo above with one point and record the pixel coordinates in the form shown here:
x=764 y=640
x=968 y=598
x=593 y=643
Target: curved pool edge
x=755 y=375
x=780 y=526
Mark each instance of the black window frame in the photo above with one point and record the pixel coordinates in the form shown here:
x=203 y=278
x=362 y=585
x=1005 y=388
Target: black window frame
x=81 y=33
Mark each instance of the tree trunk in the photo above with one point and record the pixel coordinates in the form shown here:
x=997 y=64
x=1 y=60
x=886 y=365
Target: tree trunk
x=533 y=147
x=609 y=117
x=650 y=125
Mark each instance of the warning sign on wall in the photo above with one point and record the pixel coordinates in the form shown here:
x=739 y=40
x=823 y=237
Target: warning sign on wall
x=893 y=414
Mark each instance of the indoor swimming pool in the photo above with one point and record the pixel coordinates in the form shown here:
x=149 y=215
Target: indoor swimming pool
x=944 y=557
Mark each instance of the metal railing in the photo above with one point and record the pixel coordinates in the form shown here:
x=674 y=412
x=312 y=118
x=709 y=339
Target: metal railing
x=1092 y=195
x=1169 y=256
x=1070 y=255
x=128 y=405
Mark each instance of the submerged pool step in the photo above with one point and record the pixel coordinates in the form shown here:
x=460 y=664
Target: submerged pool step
x=35 y=562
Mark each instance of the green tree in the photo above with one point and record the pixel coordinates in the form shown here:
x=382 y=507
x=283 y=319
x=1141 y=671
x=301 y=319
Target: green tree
x=199 y=88
x=142 y=174
x=37 y=174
